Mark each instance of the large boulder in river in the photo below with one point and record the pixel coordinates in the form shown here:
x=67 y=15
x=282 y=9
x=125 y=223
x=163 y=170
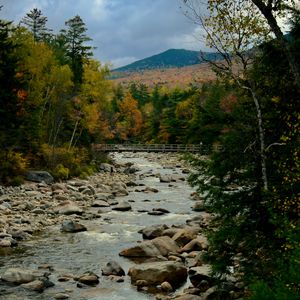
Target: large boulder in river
x=122 y=206
x=39 y=176
x=113 y=268
x=71 y=226
x=198 y=274
x=155 y=273
x=160 y=246
x=19 y=276
x=68 y=208
x=153 y=231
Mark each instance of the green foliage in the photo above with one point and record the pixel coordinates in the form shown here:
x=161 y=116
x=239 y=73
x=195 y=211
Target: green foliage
x=61 y=172
x=36 y=23
x=75 y=38
x=13 y=166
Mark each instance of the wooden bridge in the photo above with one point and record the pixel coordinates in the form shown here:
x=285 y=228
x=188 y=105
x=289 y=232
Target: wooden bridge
x=147 y=148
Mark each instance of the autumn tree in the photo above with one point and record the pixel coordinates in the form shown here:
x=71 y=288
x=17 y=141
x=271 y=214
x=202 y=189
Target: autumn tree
x=231 y=28
x=128 y=121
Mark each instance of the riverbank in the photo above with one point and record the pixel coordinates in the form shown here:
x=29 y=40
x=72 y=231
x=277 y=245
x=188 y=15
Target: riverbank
x=83 y=225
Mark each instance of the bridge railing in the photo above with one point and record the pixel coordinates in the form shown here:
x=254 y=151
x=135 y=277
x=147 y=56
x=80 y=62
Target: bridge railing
x=147 y=148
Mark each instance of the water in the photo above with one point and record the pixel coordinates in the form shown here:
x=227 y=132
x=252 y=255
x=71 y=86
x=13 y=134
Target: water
x=105 y=238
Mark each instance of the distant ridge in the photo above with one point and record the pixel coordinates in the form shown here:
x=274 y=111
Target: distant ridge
x=172 y=58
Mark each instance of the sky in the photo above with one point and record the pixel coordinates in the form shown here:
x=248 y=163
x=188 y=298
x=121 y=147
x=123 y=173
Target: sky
x=122 y=30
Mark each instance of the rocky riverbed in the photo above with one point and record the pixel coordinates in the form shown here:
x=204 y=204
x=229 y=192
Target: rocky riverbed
x=132 y=231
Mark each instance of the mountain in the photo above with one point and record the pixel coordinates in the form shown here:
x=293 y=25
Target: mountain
x=172 y=58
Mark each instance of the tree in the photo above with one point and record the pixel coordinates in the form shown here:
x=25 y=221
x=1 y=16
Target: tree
x=75 y=38
x=36 y=23
x=231 y=28
x=12 y=93
x=128 y=119
x=270 y=10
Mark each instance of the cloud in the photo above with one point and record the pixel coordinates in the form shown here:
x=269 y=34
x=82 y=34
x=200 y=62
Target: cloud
x=122 y=30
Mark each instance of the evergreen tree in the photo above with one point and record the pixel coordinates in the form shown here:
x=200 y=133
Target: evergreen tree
x=36 y=23
x=10 y=88
x=75 y=38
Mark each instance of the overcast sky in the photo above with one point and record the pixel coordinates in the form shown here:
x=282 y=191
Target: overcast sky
x=122 y=30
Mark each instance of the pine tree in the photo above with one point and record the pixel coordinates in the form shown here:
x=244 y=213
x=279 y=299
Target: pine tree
x=77 y=51
x=36 y=23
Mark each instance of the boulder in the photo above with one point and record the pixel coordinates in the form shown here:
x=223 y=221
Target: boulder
x=159 y=246
x=197 y=244
x=89 y=278
x=184 y=236
x=107 y=167
x=215 y=293
x=19 y=276
x=68 y=208
x=71 y=226
x=199 y=206
x=198 y=274
x=153 y=231
x=100 y=203
x=36 y=285
x=131 y=170
x=155 y=273
x=39 y=176
x=122 y=206
x=113 y=268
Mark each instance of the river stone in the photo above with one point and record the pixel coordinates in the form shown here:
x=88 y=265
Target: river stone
x=198 y=206
x=71 y=226
x=155 y=273
x=197 y=244
x=39 y=176
x=159 y=246
x=215 y=293
x=113 y=268
x=61 y=296
x=107 y=167
x=36 y=285
x=100 y=203
x=153 y=231
x=5 y=243
x=101 y=196
x=185 y=235
x=165 y=178
x=68 y=208
x=19 y=276
x=189 y=297
x=166 y=287
x=198 y=274
x=89 y=278
x=122 y=206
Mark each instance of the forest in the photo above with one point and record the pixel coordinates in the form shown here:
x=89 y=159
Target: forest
x=56 y=101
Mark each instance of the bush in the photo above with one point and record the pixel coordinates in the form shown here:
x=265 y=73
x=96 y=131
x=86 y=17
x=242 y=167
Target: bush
x=61 y=172
x=13 y=165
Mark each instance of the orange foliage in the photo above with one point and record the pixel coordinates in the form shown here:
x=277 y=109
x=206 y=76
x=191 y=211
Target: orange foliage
x=228 y=102
x=129 y=119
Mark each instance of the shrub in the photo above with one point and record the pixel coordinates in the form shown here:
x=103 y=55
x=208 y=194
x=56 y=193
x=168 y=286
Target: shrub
x=61 y=172
x=13 y=166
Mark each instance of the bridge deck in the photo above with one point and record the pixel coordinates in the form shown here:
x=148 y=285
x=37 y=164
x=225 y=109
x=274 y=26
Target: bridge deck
x=146 y=148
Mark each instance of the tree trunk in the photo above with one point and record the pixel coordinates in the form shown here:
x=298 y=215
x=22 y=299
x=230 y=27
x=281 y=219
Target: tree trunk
x=73 y=134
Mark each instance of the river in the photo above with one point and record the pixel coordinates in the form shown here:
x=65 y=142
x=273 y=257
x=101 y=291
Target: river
x=76 y=253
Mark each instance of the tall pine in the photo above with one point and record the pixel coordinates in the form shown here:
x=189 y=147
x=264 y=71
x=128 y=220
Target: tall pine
x=36 y=23
x=77 y=50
